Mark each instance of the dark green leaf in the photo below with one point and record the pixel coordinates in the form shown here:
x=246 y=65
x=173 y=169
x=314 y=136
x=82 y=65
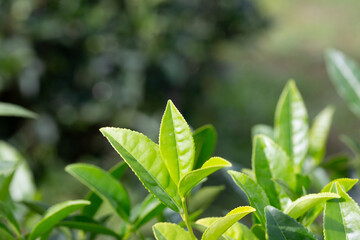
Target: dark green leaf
x=117 y=171
x=280 y=226
x=147 y=210
x=54 y=215
x=205 y=142
x=37 y=207
x=255 y=193
x=7 y=214
x=103 y=184
x=88 y=226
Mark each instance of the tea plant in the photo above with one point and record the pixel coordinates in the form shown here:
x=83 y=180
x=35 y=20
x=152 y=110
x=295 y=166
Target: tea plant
x=172 y=169
x=288 y=188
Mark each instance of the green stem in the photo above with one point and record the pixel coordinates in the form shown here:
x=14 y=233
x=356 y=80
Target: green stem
x=129 y=231
x=186 y=219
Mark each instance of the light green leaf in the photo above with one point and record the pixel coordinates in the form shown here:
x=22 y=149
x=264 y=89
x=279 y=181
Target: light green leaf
x=280 y=226
x=305 y=203
x=143 y=157
x=170 y=231
x=103 y=184
x=344 y=73
x=203 y=198
x=235 y=232
x=342 y=216
x=249 y=172
x=270 y=161
x=176 y=143
x=7 y=214
x=191 y=179
x=117 y=171
x=148 y=209
x=319 y=132
x=255 y=193
x=345 y=183
x=205 y=142
x=54 y=215
x=215 y=230
x=15 y=176
x=259 y=231
x=262 y=129
x=291 y=124
x=12 y=110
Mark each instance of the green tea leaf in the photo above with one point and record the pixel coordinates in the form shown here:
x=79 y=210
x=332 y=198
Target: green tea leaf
x=286 y=188
x=236 y=231
x=342 y=216
x=176 y=143
x=345 y=183
x=205 y=142
x=12 y=110
x=54 y=215
x=37 y=207
x=270 y=161
x=305 y=203
x=291 y=124
x=215 y=230
x=88 y=226
x=262 y=129
x=117 y=171
x=191 y=179
x=203 y=198
x=104 y=185
x=319 y=132
x=259 y=231
x=170 y=231
x=7 y=214
x=256 y=195
x=143 y=157
x=280 y=226
x=148 y=209
x=344 y=73
x=16 y=180
x=5 y=235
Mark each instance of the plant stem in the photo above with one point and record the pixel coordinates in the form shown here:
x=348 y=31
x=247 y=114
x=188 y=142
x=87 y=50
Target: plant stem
x=186 y=219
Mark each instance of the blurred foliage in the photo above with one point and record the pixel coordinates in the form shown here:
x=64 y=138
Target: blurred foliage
x=86 y=64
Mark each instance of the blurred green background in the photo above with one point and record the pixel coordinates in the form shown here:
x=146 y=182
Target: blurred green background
x=82 y=65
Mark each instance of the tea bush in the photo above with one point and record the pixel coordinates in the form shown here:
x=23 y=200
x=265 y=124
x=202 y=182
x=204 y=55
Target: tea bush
x=290 y=193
